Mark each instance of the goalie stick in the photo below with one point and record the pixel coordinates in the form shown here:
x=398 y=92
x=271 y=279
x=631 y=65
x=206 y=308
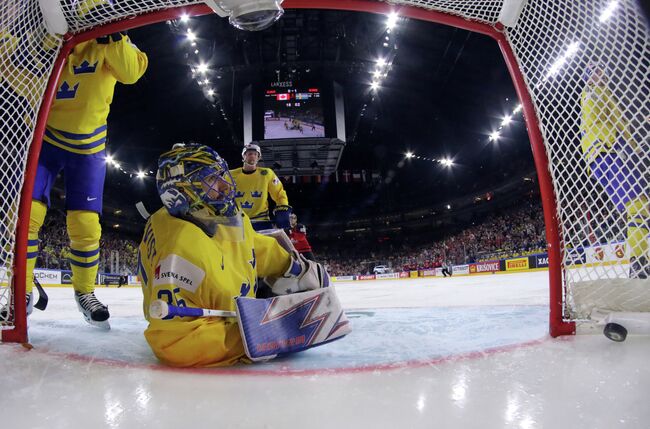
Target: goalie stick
x=159 y=309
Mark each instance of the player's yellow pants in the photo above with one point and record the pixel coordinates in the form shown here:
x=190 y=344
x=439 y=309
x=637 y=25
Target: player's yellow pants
x=36 y=219
x=638 y=218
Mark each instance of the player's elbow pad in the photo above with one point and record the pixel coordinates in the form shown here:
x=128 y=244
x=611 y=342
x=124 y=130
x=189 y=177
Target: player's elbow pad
x=302 y=275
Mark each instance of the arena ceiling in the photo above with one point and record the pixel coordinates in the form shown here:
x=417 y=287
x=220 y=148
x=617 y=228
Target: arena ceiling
x=446 y=91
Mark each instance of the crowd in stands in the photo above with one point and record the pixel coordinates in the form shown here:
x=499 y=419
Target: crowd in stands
x=116 y=252
x=517 y=232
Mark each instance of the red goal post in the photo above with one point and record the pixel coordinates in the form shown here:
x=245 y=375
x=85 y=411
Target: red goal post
x=546 y=47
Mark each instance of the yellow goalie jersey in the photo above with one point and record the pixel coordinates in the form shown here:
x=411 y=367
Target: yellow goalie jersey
x=253 y=190
x=77 y=119
x=602 y=122
x=182 y=265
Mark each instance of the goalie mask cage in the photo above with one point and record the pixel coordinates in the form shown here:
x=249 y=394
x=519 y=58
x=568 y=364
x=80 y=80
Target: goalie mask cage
x=546 y=45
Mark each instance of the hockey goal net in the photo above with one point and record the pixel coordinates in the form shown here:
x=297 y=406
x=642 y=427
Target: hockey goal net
x=595 y=201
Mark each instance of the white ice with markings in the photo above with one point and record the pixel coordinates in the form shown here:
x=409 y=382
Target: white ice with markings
x=464 y=352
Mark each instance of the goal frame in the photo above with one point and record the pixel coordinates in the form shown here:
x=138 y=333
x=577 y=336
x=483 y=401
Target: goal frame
x=557 y=325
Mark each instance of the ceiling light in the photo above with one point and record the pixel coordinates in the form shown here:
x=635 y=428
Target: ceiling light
x=391 y=22
x=202 y=68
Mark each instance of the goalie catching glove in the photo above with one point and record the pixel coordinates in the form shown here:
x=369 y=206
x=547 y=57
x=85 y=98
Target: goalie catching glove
x=302 y=275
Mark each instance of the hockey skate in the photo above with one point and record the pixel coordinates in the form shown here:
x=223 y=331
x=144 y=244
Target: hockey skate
x=93 y=310
x=6 y=311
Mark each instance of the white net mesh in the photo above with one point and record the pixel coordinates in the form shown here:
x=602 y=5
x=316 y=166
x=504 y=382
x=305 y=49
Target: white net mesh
x=594 y=123
x=85 y=14
x=27 y=54
x=586 y=67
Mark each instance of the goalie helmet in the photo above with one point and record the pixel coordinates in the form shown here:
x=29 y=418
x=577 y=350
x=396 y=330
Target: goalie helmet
x=193 y=180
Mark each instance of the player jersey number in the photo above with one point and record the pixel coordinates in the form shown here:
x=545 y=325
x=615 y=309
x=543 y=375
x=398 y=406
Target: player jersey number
x=171 y=297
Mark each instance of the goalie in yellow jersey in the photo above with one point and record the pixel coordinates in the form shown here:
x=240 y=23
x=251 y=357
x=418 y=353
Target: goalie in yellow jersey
x=254 y=186
x=200 y=251
x=617 y=163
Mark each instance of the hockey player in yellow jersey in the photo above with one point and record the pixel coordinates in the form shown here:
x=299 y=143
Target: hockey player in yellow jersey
x=254 y=186
x=616 y=163
x=74 y=143
x=201 y=251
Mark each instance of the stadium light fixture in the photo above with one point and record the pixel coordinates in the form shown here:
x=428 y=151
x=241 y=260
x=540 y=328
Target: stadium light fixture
x=116 y=164
x=211 y=92
x=609 y=11
x=191 y=36
x=202 y=68
x=447 y=162
x=448 y=207
x=109 y=159
x=557 y=65
x=506 y=120
x=494 y=136
x=518 y=108
x=381 y=62
x=374 y=85
x=391 y=22
x=185 y=18
x=409 y=155
x=140 y=175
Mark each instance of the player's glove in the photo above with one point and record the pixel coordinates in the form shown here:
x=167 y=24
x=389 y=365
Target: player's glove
x=282 y=214
x=302 y=275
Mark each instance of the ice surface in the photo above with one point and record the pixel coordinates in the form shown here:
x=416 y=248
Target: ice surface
x=465 y=352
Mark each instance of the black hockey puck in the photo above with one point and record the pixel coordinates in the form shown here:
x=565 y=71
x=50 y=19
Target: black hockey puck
x=615 y=332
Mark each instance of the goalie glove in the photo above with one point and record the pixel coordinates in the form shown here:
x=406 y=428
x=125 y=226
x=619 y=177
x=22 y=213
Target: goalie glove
x=282 y=214
x=302 y=275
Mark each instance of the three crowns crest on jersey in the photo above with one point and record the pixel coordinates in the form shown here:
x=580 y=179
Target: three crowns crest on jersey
x=85 y=67
x=65 y=92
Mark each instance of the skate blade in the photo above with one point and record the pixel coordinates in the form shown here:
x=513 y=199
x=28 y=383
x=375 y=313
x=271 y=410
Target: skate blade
x=105 y=325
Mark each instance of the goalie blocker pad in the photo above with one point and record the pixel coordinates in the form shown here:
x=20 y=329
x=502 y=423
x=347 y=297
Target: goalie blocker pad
x=290 y=323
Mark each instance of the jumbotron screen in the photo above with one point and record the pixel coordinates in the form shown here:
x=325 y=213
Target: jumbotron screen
x=291 y=113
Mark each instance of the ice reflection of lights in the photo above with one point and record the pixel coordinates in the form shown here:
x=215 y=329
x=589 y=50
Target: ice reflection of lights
x=459 y=390
x=113 y=413
x=512 y=409
x=142 y=397
x=421 y=402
